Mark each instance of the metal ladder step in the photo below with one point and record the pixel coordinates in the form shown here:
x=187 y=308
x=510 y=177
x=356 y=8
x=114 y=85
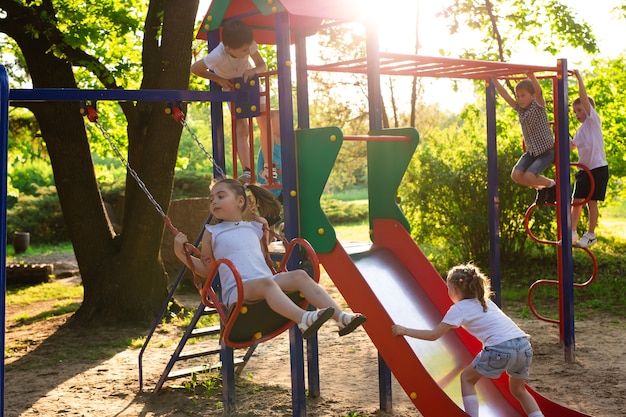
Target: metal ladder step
x=198 y=369
x=205 y=331
x=198 y=354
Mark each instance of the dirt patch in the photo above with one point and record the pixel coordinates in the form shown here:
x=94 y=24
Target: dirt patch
x=51 y=370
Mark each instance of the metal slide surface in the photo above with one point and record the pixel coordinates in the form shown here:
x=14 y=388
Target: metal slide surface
x=394 y=282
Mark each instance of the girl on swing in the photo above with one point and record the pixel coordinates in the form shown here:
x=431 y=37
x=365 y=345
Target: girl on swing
x=244 y=244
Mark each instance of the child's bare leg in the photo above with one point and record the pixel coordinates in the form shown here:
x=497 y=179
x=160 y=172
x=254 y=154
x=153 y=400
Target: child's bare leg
x=469 y=378
x=275 y=120
x=299 y=280
x=523 y=396
x=243 y=148
x=265 y=141
x=592 y=206
x=577 y=210
x=531 y=180
x=267 y=289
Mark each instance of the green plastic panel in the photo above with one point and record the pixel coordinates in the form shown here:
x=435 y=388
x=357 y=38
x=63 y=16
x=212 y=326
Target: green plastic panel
x=215 y=15
x=387 y=161
x=269 y=7
x=316 y=153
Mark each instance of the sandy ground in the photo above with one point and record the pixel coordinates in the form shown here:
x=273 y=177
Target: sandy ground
x=52 y=371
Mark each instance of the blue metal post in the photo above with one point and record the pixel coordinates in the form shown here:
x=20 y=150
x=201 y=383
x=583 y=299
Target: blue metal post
x=290 y=198
x=564 y=220
x=217 y=114
x=376 y=123
x=302 y=83
x=217 y=132
x=302 y=103
x=4 y=144
x=492 y=192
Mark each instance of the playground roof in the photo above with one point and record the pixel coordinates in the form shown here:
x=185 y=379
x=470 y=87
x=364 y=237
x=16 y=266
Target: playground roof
x=305 y=15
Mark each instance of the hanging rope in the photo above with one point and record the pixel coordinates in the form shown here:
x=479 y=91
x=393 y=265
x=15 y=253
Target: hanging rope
x=179 y=116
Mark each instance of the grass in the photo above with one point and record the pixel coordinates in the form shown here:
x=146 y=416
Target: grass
x=38 y=250
x=43 y=292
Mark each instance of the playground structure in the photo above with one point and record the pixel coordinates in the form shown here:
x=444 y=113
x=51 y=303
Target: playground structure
x=392 y=279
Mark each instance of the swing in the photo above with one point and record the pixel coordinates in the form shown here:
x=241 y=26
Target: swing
x=245 y=323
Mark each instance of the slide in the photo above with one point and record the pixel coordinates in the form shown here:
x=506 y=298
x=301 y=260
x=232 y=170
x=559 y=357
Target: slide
x=393 y=282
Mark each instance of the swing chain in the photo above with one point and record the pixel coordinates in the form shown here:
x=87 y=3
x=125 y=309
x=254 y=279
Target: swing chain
x=179 y=115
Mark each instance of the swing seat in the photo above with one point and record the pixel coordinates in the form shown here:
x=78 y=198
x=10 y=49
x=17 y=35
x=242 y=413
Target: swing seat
x=247 y=324
x=257 y=322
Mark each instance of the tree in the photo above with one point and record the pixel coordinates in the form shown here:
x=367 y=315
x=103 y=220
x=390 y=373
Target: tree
x=123 y=276
x=547 y=25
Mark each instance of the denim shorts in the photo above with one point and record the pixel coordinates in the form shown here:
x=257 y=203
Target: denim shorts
x=513 y=356
x=535 y=164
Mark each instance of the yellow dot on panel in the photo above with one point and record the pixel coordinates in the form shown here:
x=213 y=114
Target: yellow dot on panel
x=82 y=111
x=252 y=83
x=413 y=395
x=244 y=310
x=274 y=9
x=270 y=2
x=253 y=108
x=288 y=64
x=237 y=85
x=333 y=138
x=168 y=110
x=258 y=335
x=207 y=27
x=209 y=18
x=239 y=110
x=320 y=231
x=292 y=193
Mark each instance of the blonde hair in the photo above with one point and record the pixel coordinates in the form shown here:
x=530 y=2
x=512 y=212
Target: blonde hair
x=470 y=282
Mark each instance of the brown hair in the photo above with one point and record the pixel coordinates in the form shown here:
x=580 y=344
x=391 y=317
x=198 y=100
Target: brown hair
x=470 y=282
x=236 y=34
x=525 y=85
x=267 y=203
x=577 y=102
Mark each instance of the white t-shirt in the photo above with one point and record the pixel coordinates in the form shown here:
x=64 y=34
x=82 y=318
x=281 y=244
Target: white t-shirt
x=239 y=242
x=491 y=327
x=590 y=142
x=225 y=65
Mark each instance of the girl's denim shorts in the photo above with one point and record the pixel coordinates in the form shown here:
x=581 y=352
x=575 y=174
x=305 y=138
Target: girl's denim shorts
x=513 y=356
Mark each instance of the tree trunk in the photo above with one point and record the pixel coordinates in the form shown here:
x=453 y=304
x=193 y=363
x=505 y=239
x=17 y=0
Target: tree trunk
x=123 y=276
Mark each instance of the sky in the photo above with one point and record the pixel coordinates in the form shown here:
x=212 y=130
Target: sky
x=434 y=37
x=396 y=34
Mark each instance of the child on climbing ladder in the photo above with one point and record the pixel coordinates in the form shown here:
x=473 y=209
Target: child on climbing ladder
x=244 y=243
x=505 y=345
x=538 y=138
x=231 y=59
x=590 y=143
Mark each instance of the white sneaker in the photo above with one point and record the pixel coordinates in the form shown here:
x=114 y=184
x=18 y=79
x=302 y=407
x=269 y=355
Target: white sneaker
x=588 y=239
x=574 y=237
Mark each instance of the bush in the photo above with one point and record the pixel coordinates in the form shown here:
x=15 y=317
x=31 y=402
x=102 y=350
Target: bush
x=40 y=215
x=339 y=212
x=188 y=184
x=444 y=192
